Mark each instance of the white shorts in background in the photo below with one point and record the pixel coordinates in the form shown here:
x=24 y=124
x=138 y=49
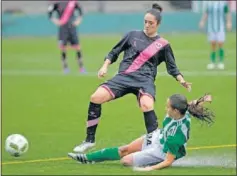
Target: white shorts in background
x=151 y=152
x=216 y=36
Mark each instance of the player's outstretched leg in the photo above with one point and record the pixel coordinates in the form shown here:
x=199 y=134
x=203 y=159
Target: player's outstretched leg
x=108 y=154
x=80 y=158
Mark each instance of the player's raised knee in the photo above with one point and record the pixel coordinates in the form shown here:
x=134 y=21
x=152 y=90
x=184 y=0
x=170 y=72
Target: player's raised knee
x=127 y=160
x=96 y=98
x=146 y=106
x=146 y=103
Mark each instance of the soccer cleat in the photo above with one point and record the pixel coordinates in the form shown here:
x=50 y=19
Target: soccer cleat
x=84 y=146
x=210 y=66
x=221 y=66
x=80 y=158
x=66 y=70
x=82 y=70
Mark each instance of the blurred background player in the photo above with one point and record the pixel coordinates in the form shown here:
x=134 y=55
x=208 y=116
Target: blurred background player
x=67 y=23
x=162 y=147
x=218 y=16
x=144 y=50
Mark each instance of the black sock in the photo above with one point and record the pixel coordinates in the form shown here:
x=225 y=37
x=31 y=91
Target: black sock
x=79 y=59
x=63 y=55
x=94 y=113
x=150 y=121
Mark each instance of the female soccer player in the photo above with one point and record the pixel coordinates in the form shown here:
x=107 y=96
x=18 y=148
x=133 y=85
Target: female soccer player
x=164 y=146
x=67 y=29
x=143 y=51
x=218 y=15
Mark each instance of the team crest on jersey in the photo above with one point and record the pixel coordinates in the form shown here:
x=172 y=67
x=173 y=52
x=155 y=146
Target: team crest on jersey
x=158 y=45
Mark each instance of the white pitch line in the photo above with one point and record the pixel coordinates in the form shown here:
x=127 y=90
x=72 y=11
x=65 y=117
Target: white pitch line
x=94 y=74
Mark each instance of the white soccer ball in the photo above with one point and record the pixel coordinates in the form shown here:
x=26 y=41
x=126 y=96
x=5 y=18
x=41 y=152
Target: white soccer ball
x=16 y=145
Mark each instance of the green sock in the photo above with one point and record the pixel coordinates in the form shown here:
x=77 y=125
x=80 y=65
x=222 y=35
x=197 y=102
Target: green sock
x=104 y=154
x=221 y=54
x=213 y=56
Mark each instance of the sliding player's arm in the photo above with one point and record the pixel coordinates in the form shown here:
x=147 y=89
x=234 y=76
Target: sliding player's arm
x=166 y=163
x=171 y=148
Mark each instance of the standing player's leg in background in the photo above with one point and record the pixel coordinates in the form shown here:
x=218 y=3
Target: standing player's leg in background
x=75 y=44
x=62 y=37
x=221 y=40
x=212 y=39
x=64 y=59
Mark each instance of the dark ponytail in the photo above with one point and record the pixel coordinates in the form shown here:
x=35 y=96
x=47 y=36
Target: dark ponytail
x=195 y=107
x=200 y=112
x=156 y=11
x=157 y=7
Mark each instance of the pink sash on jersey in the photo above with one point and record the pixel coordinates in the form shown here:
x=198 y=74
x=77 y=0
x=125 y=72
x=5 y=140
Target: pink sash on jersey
x=146 y=54
x=67 y=12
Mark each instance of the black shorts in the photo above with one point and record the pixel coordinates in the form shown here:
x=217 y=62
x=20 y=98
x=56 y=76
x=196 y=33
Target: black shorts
x=68 y=34
x=121 y=85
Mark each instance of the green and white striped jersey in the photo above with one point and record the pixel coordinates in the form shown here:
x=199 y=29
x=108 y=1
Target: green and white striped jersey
x=216 y=11
x=175 y=134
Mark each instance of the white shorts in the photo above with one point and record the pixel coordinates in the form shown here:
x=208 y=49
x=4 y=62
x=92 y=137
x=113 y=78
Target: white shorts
x=151 y=152
x=216 y=36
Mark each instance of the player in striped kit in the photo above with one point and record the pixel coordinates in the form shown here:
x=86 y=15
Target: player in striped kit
x=218 y=17
x=161 y=148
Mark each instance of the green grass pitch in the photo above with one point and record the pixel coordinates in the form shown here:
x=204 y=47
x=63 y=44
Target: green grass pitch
x=50 y=108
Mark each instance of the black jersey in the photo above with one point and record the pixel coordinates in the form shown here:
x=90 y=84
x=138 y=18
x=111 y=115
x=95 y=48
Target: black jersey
x=65 y=10
x=142 y=55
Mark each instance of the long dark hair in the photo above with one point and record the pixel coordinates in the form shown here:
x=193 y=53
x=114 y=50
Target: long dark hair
x=195 y=107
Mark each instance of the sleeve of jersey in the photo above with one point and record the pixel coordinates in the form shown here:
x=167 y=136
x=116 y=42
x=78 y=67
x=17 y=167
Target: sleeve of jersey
x=173 y=144
x=226 y=8
x=118 y=48
x=170 y=62
x=79 y=9
x=205 y=9
x=51 y=9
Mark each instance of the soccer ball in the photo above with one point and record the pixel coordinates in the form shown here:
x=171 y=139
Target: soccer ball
x=16 y=145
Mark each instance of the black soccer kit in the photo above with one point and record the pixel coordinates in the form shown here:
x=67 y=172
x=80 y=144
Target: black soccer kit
x=138 y=69
x=66 y=11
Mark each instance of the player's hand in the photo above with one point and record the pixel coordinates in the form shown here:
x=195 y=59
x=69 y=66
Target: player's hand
x=201 y=25
x=229 y=26
x=76 y=23
x=56 y=21
x=207 y=98
x=187 y=85
x=102 y=72
x=142 y=168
